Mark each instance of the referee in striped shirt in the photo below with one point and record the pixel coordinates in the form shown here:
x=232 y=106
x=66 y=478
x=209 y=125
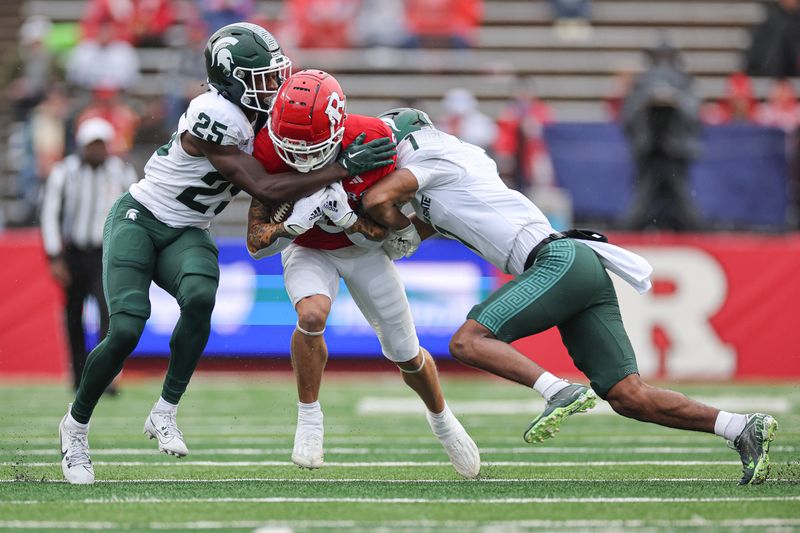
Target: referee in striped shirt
x=77 y=198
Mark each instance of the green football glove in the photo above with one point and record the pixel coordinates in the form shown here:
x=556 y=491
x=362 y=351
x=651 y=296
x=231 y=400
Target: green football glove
x=359 y=158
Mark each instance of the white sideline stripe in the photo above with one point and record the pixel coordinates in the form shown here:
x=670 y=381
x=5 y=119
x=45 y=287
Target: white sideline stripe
x=440 y=501
x=615 y=525
x=385 y=481
x=395 y=439
x=179 y=462
x=374 y=405
x=418 y=451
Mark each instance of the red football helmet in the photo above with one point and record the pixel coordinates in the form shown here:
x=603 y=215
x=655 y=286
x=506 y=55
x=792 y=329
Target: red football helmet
x=306 y=124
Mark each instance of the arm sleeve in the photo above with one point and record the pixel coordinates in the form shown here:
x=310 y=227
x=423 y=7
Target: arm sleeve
x=429 y=171
x=51 y=211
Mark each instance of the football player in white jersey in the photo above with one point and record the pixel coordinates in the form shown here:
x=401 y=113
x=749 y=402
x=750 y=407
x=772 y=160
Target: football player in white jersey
x=560 y=280
x=159 y=230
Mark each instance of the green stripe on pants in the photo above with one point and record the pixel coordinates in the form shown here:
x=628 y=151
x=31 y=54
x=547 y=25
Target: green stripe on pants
x=566 y=287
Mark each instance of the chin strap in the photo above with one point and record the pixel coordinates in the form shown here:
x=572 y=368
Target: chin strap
x=311 y=333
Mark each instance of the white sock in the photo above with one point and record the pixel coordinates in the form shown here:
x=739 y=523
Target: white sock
x=163 y=406
x=309 y=413
x=442 y=422
x=75 y=426
x=729 y=425
x=548 y=385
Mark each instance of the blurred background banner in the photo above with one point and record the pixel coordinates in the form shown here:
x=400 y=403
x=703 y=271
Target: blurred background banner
x=588 y=157
x=716 y=310
x=254 y=317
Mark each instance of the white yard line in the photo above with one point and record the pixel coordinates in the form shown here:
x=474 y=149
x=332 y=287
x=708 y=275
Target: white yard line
x=450 y=524
x=438 y=501
x=536 y=450
x=373 y=464
x=386 y=481
x=379 y=405
x=331 y=439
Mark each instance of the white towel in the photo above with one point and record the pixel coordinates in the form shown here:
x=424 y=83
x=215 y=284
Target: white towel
x=631 y=267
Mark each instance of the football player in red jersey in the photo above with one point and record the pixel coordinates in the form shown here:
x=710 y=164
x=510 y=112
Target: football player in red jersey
x=324 y=240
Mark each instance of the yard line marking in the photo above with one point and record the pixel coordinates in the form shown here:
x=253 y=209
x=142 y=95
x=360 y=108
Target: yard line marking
x=460 y=524
x=374 y=405
x=536 y=450
x=396 y=439
x=438 y=501
x=386 y=481
x=40 y=524
x=373 y=464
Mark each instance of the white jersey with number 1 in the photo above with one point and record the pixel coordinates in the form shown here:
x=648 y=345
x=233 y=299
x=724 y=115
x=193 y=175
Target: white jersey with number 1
x=462 y=196
x=182 y=190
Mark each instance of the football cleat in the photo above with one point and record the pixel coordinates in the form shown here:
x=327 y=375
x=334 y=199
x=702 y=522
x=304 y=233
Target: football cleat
x=460 y=448
x=572 y=399
x=307 y=452
x=162 y=426
x=75 y=460
x=753 y=447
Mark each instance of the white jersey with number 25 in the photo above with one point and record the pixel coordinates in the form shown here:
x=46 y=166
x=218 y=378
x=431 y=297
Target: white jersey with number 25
x=182 y=190
x=462 y=196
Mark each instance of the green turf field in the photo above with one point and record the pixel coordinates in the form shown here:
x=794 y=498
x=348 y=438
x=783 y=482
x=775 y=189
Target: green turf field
x=384 y=470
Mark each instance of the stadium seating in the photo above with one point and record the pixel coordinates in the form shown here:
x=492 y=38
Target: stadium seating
x=516 y=37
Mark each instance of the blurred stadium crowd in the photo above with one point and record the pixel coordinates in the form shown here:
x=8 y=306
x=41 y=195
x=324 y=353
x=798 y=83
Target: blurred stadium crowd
x=137 y=63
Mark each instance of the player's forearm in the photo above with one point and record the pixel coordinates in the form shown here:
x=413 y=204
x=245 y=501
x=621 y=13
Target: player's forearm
x=368 y=229
x=248 y=174
x=424 y=229
x=387 y=214
x=263 y=235
x=290 y=186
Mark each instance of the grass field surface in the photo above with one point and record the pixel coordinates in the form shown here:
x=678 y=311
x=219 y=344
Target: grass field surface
x=384 y=470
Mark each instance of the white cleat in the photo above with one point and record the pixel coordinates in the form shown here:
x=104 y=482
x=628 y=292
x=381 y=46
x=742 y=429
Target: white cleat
x=162 y=426
x=75 y=460
x=307 y=452
x=460 y=448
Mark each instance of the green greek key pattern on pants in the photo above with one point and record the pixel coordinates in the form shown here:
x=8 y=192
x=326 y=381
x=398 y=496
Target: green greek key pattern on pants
x=526 y=289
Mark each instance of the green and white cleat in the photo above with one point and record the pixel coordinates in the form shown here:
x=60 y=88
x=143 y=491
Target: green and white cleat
x=753 y=447
x=572 y=399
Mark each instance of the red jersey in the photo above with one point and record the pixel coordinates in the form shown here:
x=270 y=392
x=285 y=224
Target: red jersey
x=325 y=235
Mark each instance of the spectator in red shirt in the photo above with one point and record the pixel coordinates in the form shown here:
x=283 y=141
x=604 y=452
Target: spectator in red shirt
x=140 y=22
x=782 y=109
x=110 y=105
x=739 y=104
x=519 y=148
x=320 y=23
x=443 y=23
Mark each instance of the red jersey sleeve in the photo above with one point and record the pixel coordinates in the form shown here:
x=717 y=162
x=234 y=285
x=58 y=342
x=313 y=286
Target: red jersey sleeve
x=264 y=152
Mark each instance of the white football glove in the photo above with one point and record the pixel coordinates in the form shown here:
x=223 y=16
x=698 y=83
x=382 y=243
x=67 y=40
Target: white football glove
x=336 y=206
x=402 y=243
x=306 y=212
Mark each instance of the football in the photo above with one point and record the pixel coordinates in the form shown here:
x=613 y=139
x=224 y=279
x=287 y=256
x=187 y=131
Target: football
x=280 y=212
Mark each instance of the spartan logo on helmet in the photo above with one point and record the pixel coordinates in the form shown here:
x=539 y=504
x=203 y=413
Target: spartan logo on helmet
x=246 y=66
x=222 y=55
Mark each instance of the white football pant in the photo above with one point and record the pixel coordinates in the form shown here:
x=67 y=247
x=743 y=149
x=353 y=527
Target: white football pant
x=373 y=282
